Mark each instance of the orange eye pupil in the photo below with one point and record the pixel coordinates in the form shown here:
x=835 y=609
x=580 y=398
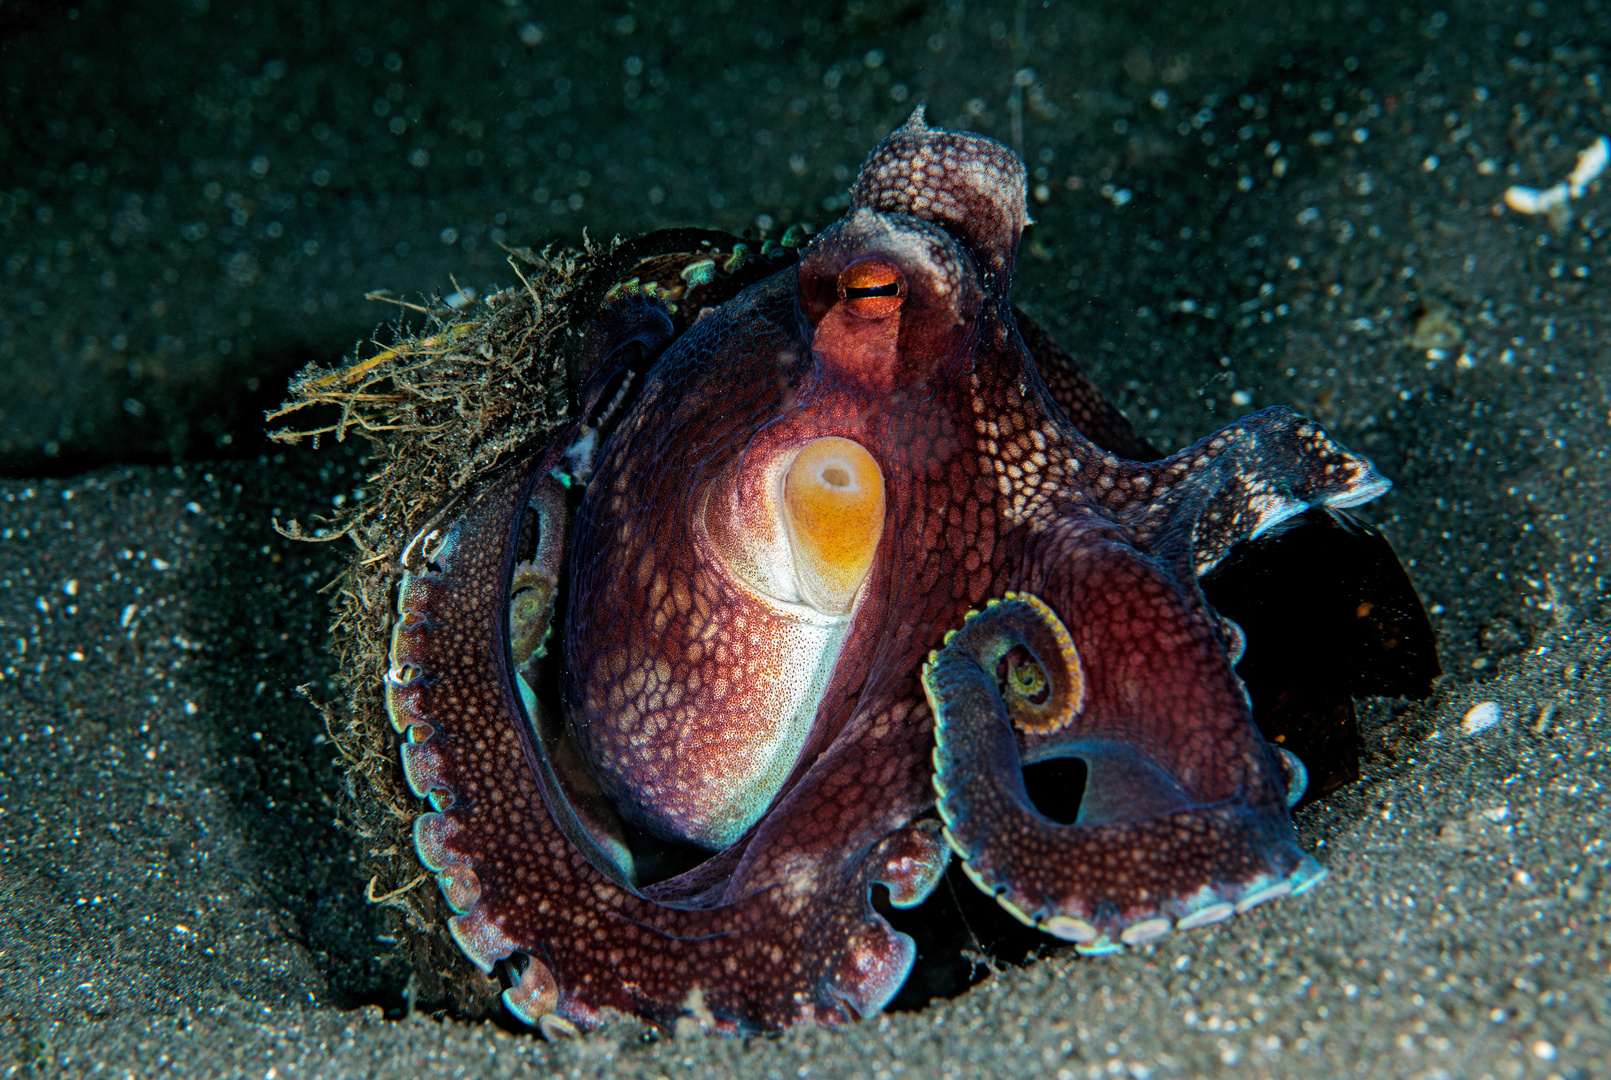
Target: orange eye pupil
x=872 y=287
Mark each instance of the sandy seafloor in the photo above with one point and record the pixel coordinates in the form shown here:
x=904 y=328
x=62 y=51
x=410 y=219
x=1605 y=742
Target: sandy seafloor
x=1238 y=205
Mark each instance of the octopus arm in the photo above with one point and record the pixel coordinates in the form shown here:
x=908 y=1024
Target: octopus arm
x=1238 y=484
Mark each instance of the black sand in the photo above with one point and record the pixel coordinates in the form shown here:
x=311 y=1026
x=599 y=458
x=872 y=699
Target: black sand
x=177 y=896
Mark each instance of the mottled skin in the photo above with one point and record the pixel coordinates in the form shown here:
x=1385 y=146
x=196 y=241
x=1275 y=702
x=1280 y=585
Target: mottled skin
x=676 y=660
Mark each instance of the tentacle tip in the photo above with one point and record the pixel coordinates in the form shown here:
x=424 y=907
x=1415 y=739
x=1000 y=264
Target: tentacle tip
x=1370 y=485
x=1308 y=874
x=914 y=864
x=533 y=998
x=873 y=969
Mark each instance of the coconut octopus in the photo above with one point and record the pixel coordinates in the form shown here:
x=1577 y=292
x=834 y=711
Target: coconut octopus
x=840 y=546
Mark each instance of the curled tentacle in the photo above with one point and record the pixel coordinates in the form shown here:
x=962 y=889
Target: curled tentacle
x=1146 y=853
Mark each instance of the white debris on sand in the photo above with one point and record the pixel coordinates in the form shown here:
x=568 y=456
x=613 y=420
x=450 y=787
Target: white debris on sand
x=1480 y=717
x=1590 y=164
x=1554 y=201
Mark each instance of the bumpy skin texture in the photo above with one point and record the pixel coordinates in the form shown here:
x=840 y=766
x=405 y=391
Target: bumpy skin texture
x=795 y=738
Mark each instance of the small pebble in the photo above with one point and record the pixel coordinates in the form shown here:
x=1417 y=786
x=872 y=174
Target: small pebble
x=1480 y=717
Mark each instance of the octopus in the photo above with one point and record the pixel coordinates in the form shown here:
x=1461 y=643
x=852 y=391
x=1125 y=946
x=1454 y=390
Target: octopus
x=838 y=550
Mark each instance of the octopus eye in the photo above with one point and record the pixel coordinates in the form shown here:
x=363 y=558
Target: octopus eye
x=872 y=288
x=833 y=506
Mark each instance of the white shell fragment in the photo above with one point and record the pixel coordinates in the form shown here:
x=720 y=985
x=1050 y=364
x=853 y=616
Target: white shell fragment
x=1480 y=717
x=1526 y=200
x=1553 y=200
x=1590 y=164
